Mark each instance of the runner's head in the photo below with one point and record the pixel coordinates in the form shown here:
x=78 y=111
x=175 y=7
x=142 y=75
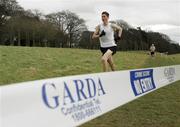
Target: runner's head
x=105 y=17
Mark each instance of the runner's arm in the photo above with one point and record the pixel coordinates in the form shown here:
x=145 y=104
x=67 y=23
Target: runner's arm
x=96 y=33
x=117 y=28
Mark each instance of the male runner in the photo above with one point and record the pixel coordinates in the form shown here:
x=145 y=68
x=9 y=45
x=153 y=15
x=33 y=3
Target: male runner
x=152 y=50
x=105 y=33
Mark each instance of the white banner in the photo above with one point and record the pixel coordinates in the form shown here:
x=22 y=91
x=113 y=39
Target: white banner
x=74 y=100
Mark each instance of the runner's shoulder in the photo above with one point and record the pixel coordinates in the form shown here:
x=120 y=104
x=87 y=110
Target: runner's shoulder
x=98 y=27
x=115 y=26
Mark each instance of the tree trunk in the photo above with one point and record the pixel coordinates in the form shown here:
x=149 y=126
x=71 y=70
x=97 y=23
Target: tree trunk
x=19 y=37
x=70 y=40
x=33 y=39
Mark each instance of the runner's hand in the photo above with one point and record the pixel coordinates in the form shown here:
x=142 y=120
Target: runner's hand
x=103 y=33
x=116 y=37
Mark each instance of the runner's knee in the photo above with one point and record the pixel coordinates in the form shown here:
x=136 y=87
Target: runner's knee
x=109 y=61
x=103 y=59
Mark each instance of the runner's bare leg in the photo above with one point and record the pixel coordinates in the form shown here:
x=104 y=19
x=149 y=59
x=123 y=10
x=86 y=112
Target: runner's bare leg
x=111 y=63
x=104 y=60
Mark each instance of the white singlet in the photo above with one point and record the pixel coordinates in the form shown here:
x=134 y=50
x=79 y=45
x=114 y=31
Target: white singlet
x=108 y=39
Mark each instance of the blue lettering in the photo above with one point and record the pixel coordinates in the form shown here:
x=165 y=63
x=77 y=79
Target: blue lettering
x=79 y=89
x=100 y=88
x=90 y=82
x=45 y=97
x=67 y=94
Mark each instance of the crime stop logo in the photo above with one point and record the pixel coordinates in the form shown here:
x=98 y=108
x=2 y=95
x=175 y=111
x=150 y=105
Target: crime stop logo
x=142 y=81
x=170 y=73
x=78 y=98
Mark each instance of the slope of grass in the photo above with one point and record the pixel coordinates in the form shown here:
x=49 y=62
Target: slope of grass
x=158 y=109
x=19 y=64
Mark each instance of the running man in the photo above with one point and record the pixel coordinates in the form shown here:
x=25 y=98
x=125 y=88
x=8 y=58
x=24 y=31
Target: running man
x=105 y=33
x=152 y=50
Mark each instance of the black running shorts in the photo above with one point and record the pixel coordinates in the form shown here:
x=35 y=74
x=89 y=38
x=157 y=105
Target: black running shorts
x=113 y=49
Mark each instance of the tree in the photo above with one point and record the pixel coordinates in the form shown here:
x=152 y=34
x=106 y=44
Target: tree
x=8 y=8
x=69 y=24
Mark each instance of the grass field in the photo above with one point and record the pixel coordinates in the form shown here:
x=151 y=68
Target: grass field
x=158 y=109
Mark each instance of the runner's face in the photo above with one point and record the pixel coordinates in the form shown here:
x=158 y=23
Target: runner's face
x=105 y=18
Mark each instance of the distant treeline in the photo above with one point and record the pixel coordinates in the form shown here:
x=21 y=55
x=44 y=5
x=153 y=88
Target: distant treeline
x=19 y=27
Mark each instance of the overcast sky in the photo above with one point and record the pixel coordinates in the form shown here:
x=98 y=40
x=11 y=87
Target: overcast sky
x=156 y=15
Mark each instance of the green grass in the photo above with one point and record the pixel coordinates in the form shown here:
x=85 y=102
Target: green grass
x=158 y=109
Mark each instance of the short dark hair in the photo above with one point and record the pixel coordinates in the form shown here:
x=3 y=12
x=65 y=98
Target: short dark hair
x=105 y=13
